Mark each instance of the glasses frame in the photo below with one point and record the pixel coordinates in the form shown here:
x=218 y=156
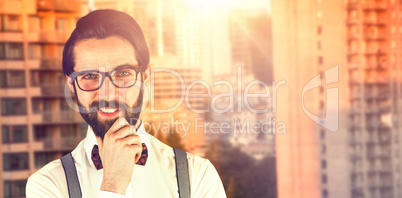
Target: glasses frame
x=74 y=76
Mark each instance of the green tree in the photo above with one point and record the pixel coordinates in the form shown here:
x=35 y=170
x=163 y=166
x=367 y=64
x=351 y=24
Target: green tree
x=243 y=176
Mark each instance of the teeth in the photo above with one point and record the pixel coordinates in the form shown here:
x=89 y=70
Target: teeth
x=104 y=110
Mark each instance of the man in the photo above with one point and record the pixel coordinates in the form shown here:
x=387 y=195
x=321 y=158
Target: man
x=106 y=63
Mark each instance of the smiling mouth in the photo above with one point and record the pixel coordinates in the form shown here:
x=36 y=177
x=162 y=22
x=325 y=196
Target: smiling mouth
x=108 y=110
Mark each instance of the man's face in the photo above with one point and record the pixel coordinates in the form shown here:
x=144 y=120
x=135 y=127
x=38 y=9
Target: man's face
x=102 y=107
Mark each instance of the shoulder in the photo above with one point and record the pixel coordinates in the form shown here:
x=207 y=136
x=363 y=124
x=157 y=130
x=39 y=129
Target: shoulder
x=50 y=180
x=204 y=179
x=167 y=152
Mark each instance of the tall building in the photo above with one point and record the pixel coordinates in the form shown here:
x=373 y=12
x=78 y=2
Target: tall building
x=374 y=43
x=172 y=103
x=251 y=42
x=36 y=123
x=193 y=41
x=309 y=38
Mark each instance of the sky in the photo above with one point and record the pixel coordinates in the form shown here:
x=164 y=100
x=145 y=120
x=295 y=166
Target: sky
x=236 y=3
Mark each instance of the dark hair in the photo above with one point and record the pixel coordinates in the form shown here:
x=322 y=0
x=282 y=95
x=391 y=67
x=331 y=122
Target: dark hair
x=101 y=24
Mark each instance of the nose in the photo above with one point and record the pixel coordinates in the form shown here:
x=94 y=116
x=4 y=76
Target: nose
x=108 y=91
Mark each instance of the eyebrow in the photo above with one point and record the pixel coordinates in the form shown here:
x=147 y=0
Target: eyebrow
x=126 y=65
x=122 y=66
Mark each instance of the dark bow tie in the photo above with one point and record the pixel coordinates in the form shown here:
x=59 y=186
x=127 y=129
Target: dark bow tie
x=98 y=163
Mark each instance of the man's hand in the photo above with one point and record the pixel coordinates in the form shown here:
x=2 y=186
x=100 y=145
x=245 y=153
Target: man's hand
x=119 y=151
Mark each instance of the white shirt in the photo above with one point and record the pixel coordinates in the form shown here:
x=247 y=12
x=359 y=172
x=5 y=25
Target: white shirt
x=156 y=179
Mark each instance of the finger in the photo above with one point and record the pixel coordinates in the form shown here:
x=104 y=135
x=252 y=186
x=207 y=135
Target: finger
x=137 y=149
x=100 y=144
x=125 y=132
x=117 y=125
x=131 y=140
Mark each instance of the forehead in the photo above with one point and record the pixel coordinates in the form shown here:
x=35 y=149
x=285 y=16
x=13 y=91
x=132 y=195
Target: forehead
x=104 y=54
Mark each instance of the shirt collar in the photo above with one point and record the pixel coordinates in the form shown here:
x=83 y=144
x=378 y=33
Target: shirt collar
x=90 y=140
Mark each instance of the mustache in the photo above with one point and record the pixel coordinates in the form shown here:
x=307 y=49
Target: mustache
x=107 y=104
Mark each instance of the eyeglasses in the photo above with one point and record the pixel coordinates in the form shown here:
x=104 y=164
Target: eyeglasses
x=91 y=80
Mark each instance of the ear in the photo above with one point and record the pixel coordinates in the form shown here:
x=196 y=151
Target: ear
x=70 y=82
x=147 y=74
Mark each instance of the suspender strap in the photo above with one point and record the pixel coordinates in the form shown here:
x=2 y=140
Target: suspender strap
x=182 y=174
x=183 y=180
x=73 y=184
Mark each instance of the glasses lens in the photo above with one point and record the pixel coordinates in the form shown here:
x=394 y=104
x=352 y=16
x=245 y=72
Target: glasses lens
x=89 y=81
x=124 y=77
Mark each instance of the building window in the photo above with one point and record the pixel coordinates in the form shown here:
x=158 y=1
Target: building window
x=34 y=23
x=320 y=60
x=323 y=149
x=12 y=78
x=324 y=179
x=319 y=30
x=42 y=158
x=10 y=23
x=324 y=193
x=42 y=133
x=14 y=188
x=15 y=161
x=322 y=134
x=323 y=164
x=13 y=106
x=35 y=51
x=14 y=134
x=61 y=24
x=11 y=51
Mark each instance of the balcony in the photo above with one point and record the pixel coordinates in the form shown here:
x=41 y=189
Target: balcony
x=373 y=168
x=385 y=139
x=353 y=66
x=372 y=139
x=354 y=141
x=58 y=117
x=375 y=36
x=372 y=110
x=374 y=183
x=18 y=7
x=355 y=156
x=376 y=50
x=386 y=182
x=375 y=20
x=355 y=80
x=383 y=80
x=51 y=63
x=375 y=5
x=59 y=5
x=379 y=153
x=383 y=65
x=385 y=168
x=353 y=50
x=47 y=36
x=353 y=35
x=357 y=184
x=52 y=90
x=371 y=94
x=352 y=5
x=353 y=20
x=62 y=35
x=372 y=125
x=64 y=144
x=376 y=66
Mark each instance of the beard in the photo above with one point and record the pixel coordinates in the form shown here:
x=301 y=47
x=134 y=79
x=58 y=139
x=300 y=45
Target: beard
x=100 y=127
